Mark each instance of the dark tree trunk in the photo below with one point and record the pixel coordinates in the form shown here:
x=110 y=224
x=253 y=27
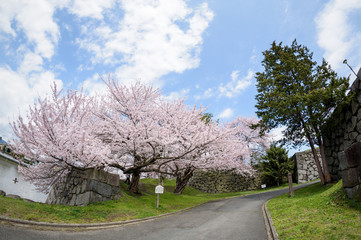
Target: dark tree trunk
x=314 y=152
x=134 y=182
x=315 y=156
x=323 y=158
x=182 y=180
x=324 y=162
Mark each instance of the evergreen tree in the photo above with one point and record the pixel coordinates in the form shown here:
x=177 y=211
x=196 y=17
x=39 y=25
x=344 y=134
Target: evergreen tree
x=294 y=91
x=275 y=164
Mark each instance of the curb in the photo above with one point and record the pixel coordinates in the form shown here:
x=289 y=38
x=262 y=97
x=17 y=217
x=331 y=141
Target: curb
x=270 y=228
x=88 y=226
x=271 y=231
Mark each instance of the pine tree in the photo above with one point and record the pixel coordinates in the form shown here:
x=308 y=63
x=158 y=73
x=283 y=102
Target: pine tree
x=294 y=91
x=275 y=164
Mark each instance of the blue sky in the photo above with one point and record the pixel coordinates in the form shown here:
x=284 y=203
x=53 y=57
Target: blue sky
x=204 y=51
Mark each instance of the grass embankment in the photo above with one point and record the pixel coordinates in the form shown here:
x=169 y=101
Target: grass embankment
x=128 y=207
x=316 y=212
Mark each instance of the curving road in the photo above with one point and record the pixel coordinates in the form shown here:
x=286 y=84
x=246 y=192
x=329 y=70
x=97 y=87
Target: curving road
x=235 y=218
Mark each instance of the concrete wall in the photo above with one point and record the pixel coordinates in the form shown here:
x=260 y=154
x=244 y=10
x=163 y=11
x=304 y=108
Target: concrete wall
x=305 y=166
x=83 y=187
x=217 y=182
x=8 y=172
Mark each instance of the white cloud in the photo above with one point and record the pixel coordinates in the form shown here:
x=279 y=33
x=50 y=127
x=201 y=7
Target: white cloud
x=19 y=91
x=149 y=41
x=276 y=133
x=336 y=34
x=206 y=94
x=35 y=19
x=90 y=8
x=227 y=113
x=236 y=85
x=177 y=95
x=94 y=85
x=32 y=24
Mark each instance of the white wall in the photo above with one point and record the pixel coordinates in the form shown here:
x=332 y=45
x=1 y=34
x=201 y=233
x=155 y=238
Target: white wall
x=8 y=172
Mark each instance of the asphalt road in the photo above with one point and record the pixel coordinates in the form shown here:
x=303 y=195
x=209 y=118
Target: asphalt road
x=235 y=218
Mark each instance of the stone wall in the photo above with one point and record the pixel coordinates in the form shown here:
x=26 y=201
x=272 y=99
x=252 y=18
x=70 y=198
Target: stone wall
x=83 y=187
x=305 y=166
x=225 y=181
x=343 y=130
x=351 y=176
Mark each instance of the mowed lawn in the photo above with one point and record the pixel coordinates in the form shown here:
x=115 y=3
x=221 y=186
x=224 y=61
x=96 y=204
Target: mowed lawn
x=127 y=208
x=316 y=212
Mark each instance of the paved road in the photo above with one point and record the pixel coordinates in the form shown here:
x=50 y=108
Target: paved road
x=235 y=218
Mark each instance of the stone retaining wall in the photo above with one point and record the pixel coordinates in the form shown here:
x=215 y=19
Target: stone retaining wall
x=305 y=166
x=351 y=176
x=83 y=187
x=225 y=181
x=344 y=130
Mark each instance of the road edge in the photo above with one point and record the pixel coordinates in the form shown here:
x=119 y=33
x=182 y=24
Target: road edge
x=270 y=228
x=96 y=226
x=87 y=226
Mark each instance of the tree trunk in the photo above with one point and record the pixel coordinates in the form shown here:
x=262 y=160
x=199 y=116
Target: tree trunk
x=314 y=152
x=134 y=182
x=315 y=156
x=324 y=163
x=323 y=156
x=182 y=180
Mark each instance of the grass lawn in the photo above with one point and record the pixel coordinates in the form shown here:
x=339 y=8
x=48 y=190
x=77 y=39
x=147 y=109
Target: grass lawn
x=127 y=208
x=316 y=212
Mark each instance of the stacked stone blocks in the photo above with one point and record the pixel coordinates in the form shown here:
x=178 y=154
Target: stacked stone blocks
x=223 y=181
x=351 y=175
x=306 y=169
x=83 y=187
x=343 y=134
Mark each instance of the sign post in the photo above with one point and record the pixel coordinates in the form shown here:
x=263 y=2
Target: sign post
x=290 y=183
x=158 y=190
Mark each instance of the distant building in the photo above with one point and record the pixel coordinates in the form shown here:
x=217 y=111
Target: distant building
x=2 y=142
x=11 y=181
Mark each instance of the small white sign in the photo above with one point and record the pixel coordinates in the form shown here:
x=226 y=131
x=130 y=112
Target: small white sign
x=263 y=186
x=159 y=189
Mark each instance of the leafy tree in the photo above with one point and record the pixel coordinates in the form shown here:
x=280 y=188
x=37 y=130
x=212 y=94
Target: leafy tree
x=275 y=164
x=294 y=91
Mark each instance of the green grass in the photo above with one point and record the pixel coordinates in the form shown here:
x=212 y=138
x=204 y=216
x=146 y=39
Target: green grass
x=316 y=212
x=128 y=207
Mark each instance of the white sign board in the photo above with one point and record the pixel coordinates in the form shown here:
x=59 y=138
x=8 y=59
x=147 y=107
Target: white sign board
x=263 y=186
x=159 y=189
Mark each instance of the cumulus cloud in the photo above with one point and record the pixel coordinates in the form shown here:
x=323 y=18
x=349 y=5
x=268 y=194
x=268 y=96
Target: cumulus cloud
x=336 y=35
x=33 y=25
x=235 y=87
x=35 y=19
x=227 y=113
x=152 y=39
x=90 y=8
x=276 y=133
x=206 y=94
x=146 y=40
x=182 y=94
x=18 y=91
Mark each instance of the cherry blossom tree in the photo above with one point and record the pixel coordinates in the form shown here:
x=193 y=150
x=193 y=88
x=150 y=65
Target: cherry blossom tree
x=57 y=135
x=229 y=148
x=144 y=130
x=242 y=129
